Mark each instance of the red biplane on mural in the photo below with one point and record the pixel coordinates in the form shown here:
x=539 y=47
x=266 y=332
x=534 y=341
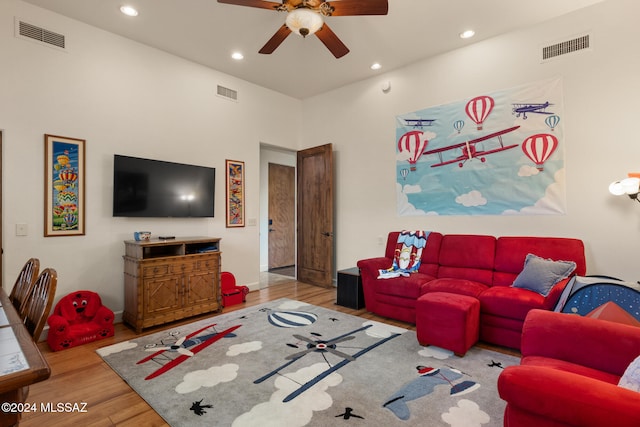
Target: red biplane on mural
x=176 y=351
x=469 y=150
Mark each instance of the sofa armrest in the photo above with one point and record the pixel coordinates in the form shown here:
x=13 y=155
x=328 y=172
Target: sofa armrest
x=104 y=316
x=58 y=325
x=371 y=266
x=598 y=344
x=568 y=398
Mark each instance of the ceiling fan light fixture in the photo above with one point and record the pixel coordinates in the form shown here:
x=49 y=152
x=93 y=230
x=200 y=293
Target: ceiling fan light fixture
x=304 y=21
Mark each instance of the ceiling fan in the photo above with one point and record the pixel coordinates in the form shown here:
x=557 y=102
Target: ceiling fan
x=306 y=17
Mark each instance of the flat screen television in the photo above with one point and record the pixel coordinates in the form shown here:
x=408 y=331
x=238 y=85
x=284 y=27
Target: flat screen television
x=154 y=188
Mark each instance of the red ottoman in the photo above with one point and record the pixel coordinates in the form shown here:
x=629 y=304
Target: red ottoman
x=446 y=320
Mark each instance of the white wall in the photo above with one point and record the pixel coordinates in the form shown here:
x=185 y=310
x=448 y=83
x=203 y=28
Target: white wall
x=125 y=98
x=601 y=92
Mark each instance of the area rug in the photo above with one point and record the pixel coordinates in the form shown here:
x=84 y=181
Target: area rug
x=288 y=363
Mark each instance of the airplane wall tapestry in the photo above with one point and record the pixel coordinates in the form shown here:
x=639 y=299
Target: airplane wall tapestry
x=498 y=153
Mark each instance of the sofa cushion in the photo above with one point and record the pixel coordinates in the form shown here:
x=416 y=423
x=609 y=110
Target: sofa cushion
x=511 y=252
x=510 y=302
x=540 y=275
x=406 y=287
x=467 y=256
x=455 y=286
x=631 y=377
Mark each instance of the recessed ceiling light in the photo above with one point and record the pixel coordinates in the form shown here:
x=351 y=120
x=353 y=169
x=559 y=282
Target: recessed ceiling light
x=376 y=66
x=467 y=34
x=129 y=11
x=237 y=56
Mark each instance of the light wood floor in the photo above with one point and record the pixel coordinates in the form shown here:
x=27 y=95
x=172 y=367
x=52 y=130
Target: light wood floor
x=79 y=374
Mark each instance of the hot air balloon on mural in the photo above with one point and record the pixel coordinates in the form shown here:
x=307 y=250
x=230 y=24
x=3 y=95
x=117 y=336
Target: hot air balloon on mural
x=404 y=172
x=479 y=108
x=539 y=147
x=413 y=144
x=458 y=125
x=552 y=122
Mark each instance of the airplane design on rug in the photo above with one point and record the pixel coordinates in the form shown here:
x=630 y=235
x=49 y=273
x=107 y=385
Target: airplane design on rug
x=419 y=123
x=523 y=109
x=322 y=347
x=426 y=382
x=184 y=347
x=469 y=150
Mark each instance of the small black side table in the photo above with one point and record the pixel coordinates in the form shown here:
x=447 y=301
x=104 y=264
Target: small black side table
x=350 y=292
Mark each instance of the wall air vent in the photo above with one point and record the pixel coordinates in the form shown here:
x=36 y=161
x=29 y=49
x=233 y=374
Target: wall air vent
x=28 y=31
x=227 y=93
x=568 y=46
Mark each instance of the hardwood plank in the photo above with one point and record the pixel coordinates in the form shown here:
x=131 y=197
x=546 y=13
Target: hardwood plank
x=79 y=374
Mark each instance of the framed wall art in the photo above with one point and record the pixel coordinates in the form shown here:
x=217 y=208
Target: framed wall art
x=64 y=205
x=234 y=193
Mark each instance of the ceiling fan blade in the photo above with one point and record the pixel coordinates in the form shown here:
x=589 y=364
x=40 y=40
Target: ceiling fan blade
x=276 y=40
x=331 y=41
x=262 y=4
x=358 y=7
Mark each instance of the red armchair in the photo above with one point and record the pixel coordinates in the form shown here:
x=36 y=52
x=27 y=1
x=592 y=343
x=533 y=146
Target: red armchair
x=79 y=318
x=232 y=294
x=569 y=372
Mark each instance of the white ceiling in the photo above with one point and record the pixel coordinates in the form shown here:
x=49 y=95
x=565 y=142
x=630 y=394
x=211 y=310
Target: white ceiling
x=207 y=32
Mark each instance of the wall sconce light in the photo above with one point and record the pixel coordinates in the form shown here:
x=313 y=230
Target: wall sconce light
x=629 y=186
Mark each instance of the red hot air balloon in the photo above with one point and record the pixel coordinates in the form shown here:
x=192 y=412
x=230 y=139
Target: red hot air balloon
x=479 y=108
x=412 y=143
x=539 y=147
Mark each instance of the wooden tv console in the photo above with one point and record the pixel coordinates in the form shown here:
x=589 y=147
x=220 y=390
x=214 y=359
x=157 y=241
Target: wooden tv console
x=167 y=280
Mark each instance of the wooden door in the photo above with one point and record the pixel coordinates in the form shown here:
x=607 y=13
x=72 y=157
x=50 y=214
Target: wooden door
x=315 y=216
x=282 y=220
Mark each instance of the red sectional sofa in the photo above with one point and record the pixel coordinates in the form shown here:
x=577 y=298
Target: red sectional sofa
x=569 y=373
x=480 y=266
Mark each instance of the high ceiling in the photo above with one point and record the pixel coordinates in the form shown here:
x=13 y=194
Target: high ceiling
x=207 y=32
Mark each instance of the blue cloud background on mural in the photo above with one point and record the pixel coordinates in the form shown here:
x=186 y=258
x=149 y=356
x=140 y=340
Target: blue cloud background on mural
x=440 y=170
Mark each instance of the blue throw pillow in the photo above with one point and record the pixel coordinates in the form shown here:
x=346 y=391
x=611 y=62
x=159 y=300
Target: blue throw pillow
x=541 y=275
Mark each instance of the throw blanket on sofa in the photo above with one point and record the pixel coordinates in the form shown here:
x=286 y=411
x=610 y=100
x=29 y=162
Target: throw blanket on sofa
x=406 y=259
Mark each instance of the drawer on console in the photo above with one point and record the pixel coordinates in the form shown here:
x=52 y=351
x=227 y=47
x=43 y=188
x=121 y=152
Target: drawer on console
x=207 y=264
x=182 y=267
x=155 y=270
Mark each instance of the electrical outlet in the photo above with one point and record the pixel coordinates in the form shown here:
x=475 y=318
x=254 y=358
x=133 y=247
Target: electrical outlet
x=380 y=240
x=22 y=230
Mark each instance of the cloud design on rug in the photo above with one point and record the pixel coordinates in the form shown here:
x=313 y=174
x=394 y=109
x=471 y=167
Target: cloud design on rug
x=116 y=348
x=435 y=352
x=292 y=305
x=207 y=378
x=297 y=412
x=381 y=330
x=466 y=414
x=247 y=347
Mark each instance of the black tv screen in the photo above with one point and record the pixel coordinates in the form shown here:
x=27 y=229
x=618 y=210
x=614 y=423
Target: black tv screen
x=154 y=188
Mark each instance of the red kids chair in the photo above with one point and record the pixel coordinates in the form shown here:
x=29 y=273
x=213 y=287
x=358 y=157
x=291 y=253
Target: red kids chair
x=79 y=318
x=232 y=294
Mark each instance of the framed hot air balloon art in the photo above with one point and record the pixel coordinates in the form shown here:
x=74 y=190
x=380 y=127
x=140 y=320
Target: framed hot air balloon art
x=64 y=207
x=234 y=193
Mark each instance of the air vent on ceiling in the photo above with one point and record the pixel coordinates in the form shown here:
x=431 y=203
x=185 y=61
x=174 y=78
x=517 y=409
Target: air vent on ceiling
x=227 y=93
x=568 y=46
x=39 y=34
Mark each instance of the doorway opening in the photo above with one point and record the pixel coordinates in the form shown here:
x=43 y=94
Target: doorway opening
x=277 y=215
